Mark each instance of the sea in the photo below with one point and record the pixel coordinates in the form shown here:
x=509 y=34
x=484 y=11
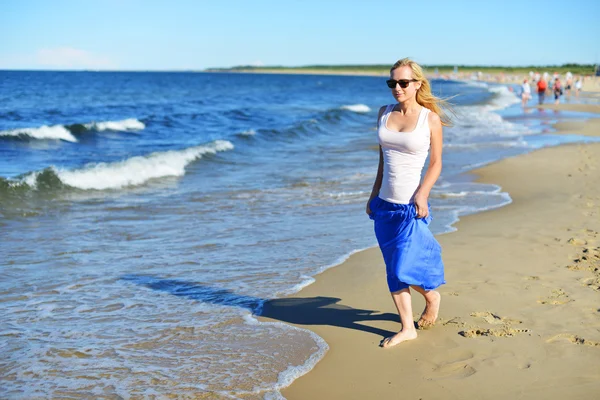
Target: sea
x=145 y=217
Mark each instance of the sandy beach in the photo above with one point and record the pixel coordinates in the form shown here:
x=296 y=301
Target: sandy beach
x=520 y=316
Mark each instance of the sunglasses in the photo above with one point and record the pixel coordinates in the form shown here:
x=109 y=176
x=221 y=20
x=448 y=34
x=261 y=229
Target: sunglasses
x=402 y=82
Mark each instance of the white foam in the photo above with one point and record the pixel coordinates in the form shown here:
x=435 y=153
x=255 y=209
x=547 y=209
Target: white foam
x=481 y=120
x=480 y=84
x=55 y=132
x=504 y=97
x=133 y=171
x=60 y=132
x=346 y=194
x=249 y=132
x=291 y=373
x=518 y=142
x=130 y=124
x=357 y=108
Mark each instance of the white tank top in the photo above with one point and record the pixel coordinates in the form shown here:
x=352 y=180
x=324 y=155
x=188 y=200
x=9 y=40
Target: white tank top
x=404 y=155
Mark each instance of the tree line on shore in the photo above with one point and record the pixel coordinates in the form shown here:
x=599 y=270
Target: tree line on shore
x=581 y=69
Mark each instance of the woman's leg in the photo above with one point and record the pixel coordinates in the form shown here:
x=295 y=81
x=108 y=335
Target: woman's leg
x=432 y=307
x=403 y=304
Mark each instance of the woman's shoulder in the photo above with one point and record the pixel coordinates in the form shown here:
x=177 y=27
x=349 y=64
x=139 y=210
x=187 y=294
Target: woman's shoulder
x=433 y=117
x=382 y=109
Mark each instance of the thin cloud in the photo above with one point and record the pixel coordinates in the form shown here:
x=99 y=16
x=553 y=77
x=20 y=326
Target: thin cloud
x=70 y=58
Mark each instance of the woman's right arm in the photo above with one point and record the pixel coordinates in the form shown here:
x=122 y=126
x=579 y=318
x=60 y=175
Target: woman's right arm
x=378 y=180
x=379 y=177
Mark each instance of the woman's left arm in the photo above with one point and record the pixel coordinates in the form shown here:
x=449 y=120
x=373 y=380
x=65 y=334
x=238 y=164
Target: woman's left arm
x=435 y=166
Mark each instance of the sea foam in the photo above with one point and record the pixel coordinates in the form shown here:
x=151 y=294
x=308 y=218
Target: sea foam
x=357 y=108
x=130 y=124
x=55 y=132
x=65 y=132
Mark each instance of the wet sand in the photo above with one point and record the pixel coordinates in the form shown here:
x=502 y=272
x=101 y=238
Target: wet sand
x=520 y=314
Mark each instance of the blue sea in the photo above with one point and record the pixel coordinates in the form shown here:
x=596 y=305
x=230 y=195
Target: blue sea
x=145 y=218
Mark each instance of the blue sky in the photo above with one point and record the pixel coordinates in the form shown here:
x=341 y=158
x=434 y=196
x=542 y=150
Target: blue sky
x=186 y=34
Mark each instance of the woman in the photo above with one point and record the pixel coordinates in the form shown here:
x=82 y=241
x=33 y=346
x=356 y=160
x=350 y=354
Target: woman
x=557 y=89
x=578 y=86
x=525 y=93
x=408 y=130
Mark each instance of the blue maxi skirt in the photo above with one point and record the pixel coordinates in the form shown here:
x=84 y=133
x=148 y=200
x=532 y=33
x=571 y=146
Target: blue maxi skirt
x=412 y=255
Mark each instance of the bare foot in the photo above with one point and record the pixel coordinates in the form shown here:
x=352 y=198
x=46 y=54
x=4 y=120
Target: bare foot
x=432 y=308
x=398 y=338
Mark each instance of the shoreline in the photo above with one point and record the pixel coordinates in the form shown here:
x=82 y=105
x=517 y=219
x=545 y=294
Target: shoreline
x=350 y=309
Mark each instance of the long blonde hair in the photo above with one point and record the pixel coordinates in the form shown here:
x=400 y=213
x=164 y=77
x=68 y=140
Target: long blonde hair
x=424 y=96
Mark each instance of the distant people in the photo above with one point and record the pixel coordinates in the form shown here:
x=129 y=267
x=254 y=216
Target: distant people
x=578 y=86
x=557 y=89
x=525 y=93
x=568 y=83
x=541 y=90
x=546 y=77
x=568 y=76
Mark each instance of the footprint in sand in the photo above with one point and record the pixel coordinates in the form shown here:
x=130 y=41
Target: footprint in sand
x=592 y=283
x=588 y=260
x=573 y=339
x=450 y=293
x=505 y=331
x=453 y=365
x=494 y=319
x=557 y=297
x=524 y=365
x=577 y=242
x=453 y=321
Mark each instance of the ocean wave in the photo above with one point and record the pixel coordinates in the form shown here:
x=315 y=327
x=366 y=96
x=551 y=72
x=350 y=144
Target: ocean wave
x=130 y=172
x=249 y=132
x=480 y=84
x=317 y=123
x=67 y=132
x=56 y=132
x=483 y=120
x=354 y=194
x=504 y=97
x=357 y=108
x=130 y=124
x=518 y=142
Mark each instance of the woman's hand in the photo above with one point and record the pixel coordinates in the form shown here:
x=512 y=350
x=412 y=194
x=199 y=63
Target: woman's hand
x=422 y=206
x=369 y=207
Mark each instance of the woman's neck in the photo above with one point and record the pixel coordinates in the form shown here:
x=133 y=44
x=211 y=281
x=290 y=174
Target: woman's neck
x=409 y=106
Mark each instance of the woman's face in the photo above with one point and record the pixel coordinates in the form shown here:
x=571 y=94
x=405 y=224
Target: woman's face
x=403 y=94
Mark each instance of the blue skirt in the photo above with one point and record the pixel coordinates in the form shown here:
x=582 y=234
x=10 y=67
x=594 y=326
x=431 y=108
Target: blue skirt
x=412 y=255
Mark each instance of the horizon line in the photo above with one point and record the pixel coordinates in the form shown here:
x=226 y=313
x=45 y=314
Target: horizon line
x=317 y=66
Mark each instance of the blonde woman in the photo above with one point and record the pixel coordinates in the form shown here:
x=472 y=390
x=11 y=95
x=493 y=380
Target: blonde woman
x=408 y=131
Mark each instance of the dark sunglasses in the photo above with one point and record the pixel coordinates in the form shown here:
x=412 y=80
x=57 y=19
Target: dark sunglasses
x=402 y=82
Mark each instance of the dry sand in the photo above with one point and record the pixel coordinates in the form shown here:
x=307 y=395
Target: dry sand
x=520 y=316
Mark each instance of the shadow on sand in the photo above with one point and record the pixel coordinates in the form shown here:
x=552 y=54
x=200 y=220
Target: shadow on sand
x=295 y=310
